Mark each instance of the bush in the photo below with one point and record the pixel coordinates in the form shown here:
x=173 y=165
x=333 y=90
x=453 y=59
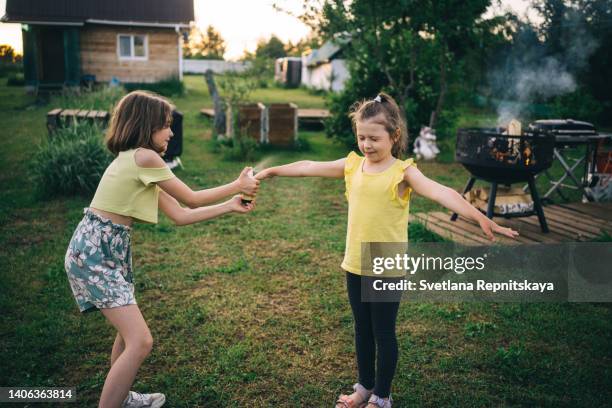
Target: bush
x=240 y=148
x=15 y=79
x=7 y=69
x=168 y=87
x=103 y=98
x=71 y=162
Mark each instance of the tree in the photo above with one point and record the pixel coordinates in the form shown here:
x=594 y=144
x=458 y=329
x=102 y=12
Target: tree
x=302 y=46
x=409 y=48
x=204 y=45
x=579 y=33
x=272 y=49
x=8 y=55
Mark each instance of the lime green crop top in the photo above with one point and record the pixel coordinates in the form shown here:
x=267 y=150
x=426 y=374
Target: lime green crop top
x=130 y=190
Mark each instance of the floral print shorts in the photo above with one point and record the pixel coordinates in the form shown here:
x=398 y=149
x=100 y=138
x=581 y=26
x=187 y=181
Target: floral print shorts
x=99 y=264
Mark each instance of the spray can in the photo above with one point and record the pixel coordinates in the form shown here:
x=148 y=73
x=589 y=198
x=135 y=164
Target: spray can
x=246 y=198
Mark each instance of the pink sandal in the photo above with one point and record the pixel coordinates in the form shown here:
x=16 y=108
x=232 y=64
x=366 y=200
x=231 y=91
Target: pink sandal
x=345 y=401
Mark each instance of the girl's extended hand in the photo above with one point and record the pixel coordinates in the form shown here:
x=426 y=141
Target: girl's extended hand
x=264 y=174
x=235 y=205
x=488 y=226
x=247 y=183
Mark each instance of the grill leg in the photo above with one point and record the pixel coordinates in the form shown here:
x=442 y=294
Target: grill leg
x=537 y=205
x=467 y=188
x=491 y=203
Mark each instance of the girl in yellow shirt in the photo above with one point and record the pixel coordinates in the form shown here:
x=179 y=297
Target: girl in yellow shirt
x=98 y=260
x=378 y=187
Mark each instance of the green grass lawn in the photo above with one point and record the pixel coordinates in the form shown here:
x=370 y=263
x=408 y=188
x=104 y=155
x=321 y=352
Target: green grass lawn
x=251 y=311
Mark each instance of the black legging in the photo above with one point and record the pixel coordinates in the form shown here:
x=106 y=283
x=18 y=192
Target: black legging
x=374 y=330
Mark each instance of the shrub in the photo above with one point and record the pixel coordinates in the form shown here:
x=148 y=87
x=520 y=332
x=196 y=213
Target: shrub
x=71 y=162
x=239 y=148
x=168 y=87
x=15 y=79
x=79 y=98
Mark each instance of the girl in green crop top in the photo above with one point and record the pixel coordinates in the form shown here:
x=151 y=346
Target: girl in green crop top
x=98 y=261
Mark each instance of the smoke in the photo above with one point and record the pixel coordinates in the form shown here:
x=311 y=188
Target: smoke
x=531 y=71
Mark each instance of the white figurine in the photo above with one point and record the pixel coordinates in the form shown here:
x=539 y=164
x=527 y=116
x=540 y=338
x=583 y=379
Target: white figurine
x=425 y=145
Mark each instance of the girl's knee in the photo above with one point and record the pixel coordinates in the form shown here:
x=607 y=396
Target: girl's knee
x=142 y=344
x=147 y=343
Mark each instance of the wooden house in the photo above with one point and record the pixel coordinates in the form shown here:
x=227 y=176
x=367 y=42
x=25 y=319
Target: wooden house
x=68 y=41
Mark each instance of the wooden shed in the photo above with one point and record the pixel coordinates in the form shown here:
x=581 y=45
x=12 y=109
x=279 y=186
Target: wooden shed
x=67 y=41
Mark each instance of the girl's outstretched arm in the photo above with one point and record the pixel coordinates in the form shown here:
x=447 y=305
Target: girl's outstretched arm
x=305 y=168
x=194 y=199
x=452 y=200
x=185 y=216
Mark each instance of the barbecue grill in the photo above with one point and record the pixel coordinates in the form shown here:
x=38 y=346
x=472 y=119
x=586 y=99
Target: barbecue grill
x=505 y=159
x=567 y=132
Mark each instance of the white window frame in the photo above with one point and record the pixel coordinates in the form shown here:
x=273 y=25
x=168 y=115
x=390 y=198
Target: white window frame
x=132 y=57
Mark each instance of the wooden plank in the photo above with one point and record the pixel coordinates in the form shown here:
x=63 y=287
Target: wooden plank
x=432 y=226
x=578 y=226
x=603 y=206
x=526 y=236
x=606 y=214
x=475 y=230
x=533 y=222
x=582 y=217
x=532 y=231
x=453 y=231
x=68 y=112
x=560 y=228
x=576 y=217
x=209 y=112
x=68 y=116
x=313 y=113
x=102 y=115
x=92 y=114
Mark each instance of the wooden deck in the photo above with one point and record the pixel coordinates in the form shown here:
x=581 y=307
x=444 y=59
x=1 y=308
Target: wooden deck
x=567 y=223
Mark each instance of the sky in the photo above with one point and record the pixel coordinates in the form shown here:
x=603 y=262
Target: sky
x=241 y=22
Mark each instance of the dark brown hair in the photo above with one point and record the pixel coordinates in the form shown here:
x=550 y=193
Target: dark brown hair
x=393 y=121
x=135 y=118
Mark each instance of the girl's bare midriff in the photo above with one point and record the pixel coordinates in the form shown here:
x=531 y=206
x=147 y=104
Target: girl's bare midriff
x=115 y=218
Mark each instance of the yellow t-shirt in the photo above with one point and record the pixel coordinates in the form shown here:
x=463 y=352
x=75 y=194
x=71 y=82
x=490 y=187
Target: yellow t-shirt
x=130 y=190
x=376 y=212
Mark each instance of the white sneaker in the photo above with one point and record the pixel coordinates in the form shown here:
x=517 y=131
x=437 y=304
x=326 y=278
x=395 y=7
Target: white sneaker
x=138 y=400
x=380 y=402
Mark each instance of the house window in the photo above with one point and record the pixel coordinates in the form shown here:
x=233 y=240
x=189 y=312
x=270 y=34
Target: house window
x=132 y=47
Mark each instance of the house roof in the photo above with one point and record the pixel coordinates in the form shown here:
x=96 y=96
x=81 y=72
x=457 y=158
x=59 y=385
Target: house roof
x=138 y=12
x=328 y=51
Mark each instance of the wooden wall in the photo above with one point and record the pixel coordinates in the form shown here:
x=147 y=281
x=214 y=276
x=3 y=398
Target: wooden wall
x=99 y=54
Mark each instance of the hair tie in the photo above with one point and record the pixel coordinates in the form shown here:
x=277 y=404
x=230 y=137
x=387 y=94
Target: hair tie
x=378 y=99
